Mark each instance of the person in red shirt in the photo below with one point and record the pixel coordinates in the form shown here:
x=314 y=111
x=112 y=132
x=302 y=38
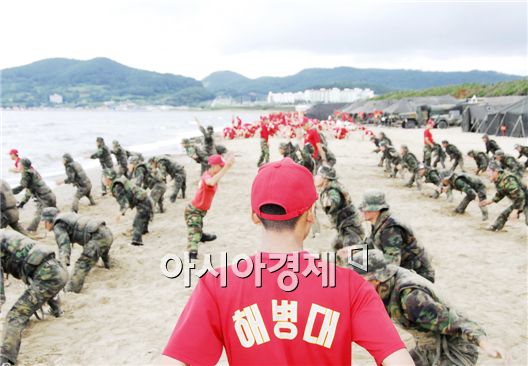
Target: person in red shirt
x=264 y=145
x=283 y=312
x=13 y=153
x=197 y=209
x=312 y=137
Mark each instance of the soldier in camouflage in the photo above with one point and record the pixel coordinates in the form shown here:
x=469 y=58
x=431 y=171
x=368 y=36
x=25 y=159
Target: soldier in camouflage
x=410 y=162
x=338 y=206
x=288 y=150
x=454 y=155
x=391 y=157
x=481 y=160
x=330 y=156
x=305 y=157
x=384 y=138
x=35 y=186
x=93 y=235
x=509 y=163
x=427 y=154
x=439 y=155
x=176 y=171
x=121 y=157
x=158 y=184
x=8 y=208
x=75 y=175
x=37 y=267
x=105 y=159
x=194 y=152
x=442 y=335
x=507 y=185
x=468 y=184
x=491 y=145
x=431 y=176
x=130 y=196
x=138 y=172
x=394 y=239
x=208 y=138
x=523 y=151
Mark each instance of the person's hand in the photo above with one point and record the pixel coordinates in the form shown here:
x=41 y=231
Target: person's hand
x=484 y=203
x=230 y=160
x=20 y=205
x=495 y=352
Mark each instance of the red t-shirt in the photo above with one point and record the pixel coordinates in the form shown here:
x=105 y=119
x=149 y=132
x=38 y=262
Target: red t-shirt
x=428 y=136
x=205 y=194
x=312 y=325
x=17 y=163
x=264 y=132
x=312 y=137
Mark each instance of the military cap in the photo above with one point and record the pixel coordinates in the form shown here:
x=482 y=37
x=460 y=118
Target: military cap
x=49 y=214
x=471 y=153
x=383 y=144
x=109 y=173
x=153 y=159
x=115 y=143
x=210 y=128
x=445 y=142
x=421 y=166
x=186 y=141
x=133 y=159
x=405 y=147
x=446 y=174
x=26 y=163
x=485 y=136
x=327 y=173
x=494 y=165
x=283 y=145
x=499 y=153
x=377 y=267
x=373 y=200
x=99 y=139
x=309 y=148
x=67 y=157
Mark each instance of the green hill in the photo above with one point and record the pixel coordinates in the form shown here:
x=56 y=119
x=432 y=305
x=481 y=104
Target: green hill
x=382 y=81
x=93 y=82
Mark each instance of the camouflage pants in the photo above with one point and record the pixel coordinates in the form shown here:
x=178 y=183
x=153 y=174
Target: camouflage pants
x=144 y=214
x=264 y=154
x=194 y=220
x=97 y=247
x=47 y=201
x=427 y=155
x=82 y=192
x=180 y=183
x=444 y=351
x=49 y=278
x=122 y=170
x=439 y=159
x=10 y=218
x=157 y=194
x=505 y=215
x=458 y=161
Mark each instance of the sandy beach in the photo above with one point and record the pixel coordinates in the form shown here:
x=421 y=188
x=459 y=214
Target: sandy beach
x=125 y=315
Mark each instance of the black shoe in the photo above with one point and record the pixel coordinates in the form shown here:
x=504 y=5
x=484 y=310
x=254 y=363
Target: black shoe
x=136 y=243
x=172 y=198
x=193 y=254
x=207 y=237
x=103 y=194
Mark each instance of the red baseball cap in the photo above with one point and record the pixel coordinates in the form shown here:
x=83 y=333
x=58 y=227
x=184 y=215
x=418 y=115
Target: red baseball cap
x=13 y=151
x=216 y=160
x=286 y=184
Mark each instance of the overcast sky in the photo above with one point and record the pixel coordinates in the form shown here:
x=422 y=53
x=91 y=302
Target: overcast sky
x=271 y=37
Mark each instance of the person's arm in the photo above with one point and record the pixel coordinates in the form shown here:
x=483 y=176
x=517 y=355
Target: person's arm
x=97 y=154
x=120 y=195
x=216 y=178
x=321 y=151
x=63 y=241
x=399 y=358
x=392 y=241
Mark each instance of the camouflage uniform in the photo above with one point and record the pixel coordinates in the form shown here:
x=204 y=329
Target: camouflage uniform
x=177 y=172
x=194 y=220
x=443 y=336
x=454 y=154
x=491 y=145
x=330 y=157
x=208 y=137
x=158 y=184
x=305 y=157
x=481 y=159
x=140 y=173
x=344 y=217
x=264 y=153
x=410 y=162
x=392 y=159
x=439 y=154
x=128 y=195
x=427 y=154
x=288 y=150
x=508 y=162
x=394 y=239
x=523 y=151
x=195 y=153
x=93 y=235
x=37 y=267
x=121 y=157
x=8 y=208
x=509 y=185
x=36 y=187
x=469 y=184
x=75 y=175
x=105 y=159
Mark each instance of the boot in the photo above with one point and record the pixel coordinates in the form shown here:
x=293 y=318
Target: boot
x=207 y=237
x=136 y=243
x=193 y=254
x=484 y=211
x=172 y=198
x=55 y=309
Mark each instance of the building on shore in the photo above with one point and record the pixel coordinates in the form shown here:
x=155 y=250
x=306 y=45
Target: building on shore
x=322 y=95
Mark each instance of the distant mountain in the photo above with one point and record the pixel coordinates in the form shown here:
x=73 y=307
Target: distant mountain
x=382 y=81
x=93 y=82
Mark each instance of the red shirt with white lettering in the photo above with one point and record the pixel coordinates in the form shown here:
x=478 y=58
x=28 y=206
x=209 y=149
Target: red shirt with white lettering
x=312 y=137
x=311 y=325
x=205 y=194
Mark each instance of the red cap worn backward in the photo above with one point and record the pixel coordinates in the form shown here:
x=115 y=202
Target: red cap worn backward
x=13 y=151
x=216 y=160
x=286 y=184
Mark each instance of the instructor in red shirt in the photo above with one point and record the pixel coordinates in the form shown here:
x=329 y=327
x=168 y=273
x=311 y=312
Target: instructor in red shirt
x=312 y=137
x=275 y=308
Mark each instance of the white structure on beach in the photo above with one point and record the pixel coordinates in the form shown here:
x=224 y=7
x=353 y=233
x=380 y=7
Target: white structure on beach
x=333 y=95
x=55 y=98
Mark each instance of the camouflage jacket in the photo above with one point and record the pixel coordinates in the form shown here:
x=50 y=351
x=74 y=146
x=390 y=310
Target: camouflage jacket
x=392 y=155
x=141 y=175
x=453 y=152
x=70 y=228
x=208 y=141
x=127 y=194
x=330 y=157
x=414 y=304
x=19 y=257
x=34 y=185
x=509 y=185
x=410 y=162
x=103 y=154
x=171 y=167
x=464 y=182
x=195 y=153
x=481 y=159
x=386 y=140
x=157 y=176
x=121 y=156
x=438 y=151
x=432 y=176
x=75 y=175
x=511 y=164
x=337 y=204
x=398 y=243
x=523 y=152
x=492 y=146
